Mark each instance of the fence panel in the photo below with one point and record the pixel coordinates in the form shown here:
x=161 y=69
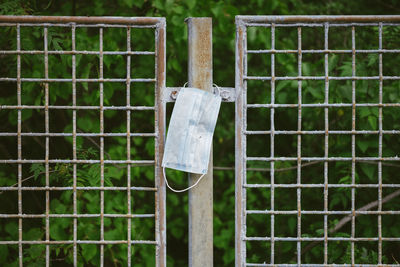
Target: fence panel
x=317 y=140
x=95 y=167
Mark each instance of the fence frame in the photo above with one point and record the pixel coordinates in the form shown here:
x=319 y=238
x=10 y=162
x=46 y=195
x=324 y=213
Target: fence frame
x=241 y=77
x=159 y=26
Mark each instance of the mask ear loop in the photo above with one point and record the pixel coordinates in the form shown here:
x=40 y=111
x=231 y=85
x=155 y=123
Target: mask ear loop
x=218 y=89
x=182 y=190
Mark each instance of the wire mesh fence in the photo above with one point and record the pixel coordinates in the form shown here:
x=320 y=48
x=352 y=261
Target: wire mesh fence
x=72 y=191
x=318 y=107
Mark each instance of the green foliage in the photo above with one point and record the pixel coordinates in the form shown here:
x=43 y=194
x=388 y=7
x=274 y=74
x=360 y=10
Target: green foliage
x=88 y=175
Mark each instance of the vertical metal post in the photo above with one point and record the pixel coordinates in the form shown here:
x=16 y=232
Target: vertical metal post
x=240 y=145
x=201 y=196
x=161 y=221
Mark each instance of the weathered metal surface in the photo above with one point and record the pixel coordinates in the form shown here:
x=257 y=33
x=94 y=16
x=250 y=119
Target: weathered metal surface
x=228 y=94
x=159 y=25
x=309 y=19
x=160 y=109
x=240 y=145
x=299 y=22
x=200 y=197
x=77 y=19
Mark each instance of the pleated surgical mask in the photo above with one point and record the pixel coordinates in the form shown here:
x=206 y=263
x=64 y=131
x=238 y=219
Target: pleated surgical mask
x=190 y=131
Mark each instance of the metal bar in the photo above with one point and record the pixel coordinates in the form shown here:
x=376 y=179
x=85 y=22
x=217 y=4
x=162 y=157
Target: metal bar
x=81 y=161
x=272 y=159
x=91 y=215
x=84 y=52
x=326 y=141
x=307 y=51
x=323 y=105
x=305 y=239
x=299 y=100
x=272 y=140
x=101 y=88
x=160 y=127
x=20 y=253
x=46 y=118
x=317 y=132
x=78 y=188
x=240 y=145
x=228 y=94
x=74 y=196
x=67 y=242
x=318 y=265
x=20 y=107
x=316 y=25
x=79 y=25
x=341 y=78
x=68 y=80
x=295 y=18
x=78 y=19
x=128 y=144
x=200 y=74
x=380 y=147
x=353 y=141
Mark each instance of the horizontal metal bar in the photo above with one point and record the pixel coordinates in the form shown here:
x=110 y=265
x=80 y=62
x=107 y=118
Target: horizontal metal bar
x=67 y=242
x=77 y=161
x=72 y=24
x=319 y=18
x=228 y=94
x=79 y=107
x=86 y=215
x=321 y=159
x=322 y=212
x=78 y=188
x=317 y=265
x=311 y=25
x=305 y=239
x=323 y=78
x=320 y=185
x=315 y=132
x=323 y=51
x=62 y=52
x=323 y=105
x=81 y=134
x=81 y=19
x=52 y=80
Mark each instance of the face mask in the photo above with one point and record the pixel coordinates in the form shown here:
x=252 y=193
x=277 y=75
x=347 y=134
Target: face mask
x=190 y=132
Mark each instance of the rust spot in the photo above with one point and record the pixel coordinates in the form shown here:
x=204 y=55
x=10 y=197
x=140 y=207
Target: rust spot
x=174 y=94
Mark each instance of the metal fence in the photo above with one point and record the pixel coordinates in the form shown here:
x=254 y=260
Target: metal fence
x=319 y=28
x=253 y=104
x=99 y=24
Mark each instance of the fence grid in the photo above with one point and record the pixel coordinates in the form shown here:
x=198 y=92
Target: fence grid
x=246 y=235
x=72 y=24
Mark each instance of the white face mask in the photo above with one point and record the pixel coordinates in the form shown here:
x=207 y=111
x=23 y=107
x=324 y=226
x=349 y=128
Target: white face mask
x=190 y=131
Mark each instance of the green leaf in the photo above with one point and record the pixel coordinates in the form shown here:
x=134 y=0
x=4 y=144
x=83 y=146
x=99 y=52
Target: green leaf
x=292 y=224
x=373 y=122
x=363 y=145
x=191 y=3
x=88 y=251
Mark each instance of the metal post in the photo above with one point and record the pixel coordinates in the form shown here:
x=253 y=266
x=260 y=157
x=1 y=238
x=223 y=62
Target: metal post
x=201 y=196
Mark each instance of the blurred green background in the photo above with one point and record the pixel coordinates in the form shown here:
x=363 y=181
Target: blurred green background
x=223 y=14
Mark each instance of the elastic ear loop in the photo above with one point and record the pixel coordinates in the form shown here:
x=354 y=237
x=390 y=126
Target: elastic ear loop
x=182 y=190
x=219 y=89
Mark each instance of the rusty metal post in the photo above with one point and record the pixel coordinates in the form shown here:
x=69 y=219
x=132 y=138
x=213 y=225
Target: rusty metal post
x=200 y=197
